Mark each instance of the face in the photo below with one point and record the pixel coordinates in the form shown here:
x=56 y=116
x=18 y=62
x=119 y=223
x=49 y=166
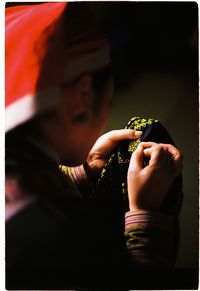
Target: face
x=71 y=138
x=88 y=132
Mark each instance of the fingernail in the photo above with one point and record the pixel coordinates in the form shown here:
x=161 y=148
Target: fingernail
x=138 y=133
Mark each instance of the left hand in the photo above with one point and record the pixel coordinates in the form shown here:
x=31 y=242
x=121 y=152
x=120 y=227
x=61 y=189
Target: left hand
x=104 y=145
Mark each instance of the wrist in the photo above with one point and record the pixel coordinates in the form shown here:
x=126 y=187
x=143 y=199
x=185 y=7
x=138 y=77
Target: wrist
x=78 y=175
x=144 y=207
x=135 y=208
x=82 y=180
x=91 y=171
x=145 y=199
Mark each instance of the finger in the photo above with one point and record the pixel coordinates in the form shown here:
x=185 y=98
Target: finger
x=136 y=161
x=168 y=156
x=176 y=156
x=158 y=156
x=148 y=152
x=148 y=147
x=112 y=138
x=165 y=155
x=121 y=134
x=108 y=142
x=153 y=151
x=169 y=161
x=148 y=144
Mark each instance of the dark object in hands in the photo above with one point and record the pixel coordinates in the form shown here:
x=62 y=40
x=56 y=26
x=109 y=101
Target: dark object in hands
x=112 y=183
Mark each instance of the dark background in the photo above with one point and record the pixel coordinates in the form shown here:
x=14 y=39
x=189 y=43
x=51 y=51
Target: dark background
x=154 y=47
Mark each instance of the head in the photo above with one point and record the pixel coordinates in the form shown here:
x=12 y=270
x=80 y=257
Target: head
x=80 y=117
x=65 y=82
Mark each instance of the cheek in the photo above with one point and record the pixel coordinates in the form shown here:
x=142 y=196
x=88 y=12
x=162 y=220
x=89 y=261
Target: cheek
x=95 y=128
x=85 y=141
x=100 y=120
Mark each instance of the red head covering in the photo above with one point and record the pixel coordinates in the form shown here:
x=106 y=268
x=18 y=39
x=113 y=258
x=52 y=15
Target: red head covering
x=47 y=45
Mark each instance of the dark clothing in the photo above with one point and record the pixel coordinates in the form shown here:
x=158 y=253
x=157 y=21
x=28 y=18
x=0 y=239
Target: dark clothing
x=59 y=240
x=65 y=244
x=63 y=241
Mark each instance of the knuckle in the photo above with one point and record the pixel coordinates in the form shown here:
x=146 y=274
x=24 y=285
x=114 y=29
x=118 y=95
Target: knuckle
x=154 y=166
x=159 y=149
x=113 y=132
x=179 y=155
x=160 y=146
x=131 y=171
x=136 y=152
x=141 y=145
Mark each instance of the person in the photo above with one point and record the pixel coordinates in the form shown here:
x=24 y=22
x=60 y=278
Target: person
x=59 y=87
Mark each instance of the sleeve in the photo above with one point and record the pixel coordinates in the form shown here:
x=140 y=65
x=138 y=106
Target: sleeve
x=79 y=177
x=149 y=238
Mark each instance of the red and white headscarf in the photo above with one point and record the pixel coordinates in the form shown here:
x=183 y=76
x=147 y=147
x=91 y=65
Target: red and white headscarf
x=47 y=45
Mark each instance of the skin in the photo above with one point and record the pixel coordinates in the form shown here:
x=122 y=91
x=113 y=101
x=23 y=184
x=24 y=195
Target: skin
x=148 y=186
x=74 y=139
x=78 y=141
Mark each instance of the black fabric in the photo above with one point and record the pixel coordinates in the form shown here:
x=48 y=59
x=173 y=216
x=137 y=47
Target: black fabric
x=112 y=184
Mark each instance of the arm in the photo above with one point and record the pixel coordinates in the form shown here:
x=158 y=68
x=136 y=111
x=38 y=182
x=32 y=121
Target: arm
x=150 y=226
x=152 y=235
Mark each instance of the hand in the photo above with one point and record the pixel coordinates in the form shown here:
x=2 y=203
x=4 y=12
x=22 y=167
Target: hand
x=104 y=145
x=147 y=186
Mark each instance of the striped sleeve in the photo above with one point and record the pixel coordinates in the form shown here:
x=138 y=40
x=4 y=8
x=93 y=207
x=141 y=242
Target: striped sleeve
x=149 y=238
x=79 y=177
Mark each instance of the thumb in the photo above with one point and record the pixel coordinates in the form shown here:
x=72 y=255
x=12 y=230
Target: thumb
x=136 y=161
x=115 y=136
x=121 y=134
x=108 y=142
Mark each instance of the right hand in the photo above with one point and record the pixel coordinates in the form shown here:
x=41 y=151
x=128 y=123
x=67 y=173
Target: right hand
x=148 y=186
x=102 y=148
